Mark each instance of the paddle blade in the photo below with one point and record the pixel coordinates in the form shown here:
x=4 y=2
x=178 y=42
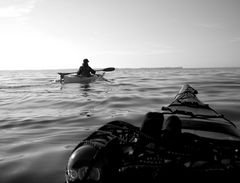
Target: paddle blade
x=65 y=73
x=109 y=69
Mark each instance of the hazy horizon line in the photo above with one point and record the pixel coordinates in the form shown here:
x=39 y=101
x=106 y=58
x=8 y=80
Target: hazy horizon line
x=125 y=68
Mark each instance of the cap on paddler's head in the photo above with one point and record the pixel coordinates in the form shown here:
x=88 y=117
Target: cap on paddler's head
x=85 y=60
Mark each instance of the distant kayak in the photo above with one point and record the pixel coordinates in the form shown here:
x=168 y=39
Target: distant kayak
x=82 y=79
x=208 y=146
x=72 y=77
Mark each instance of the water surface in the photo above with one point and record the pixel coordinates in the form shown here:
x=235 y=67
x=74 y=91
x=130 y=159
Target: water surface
x=42 y=120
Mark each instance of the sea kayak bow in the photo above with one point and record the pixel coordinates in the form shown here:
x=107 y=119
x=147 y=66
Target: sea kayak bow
x=199 y=118
x=119 y=151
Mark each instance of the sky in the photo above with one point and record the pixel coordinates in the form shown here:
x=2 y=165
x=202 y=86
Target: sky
x=59 y=34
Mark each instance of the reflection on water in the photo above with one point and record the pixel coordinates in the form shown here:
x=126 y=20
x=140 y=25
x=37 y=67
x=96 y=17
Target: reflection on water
x=85 y=89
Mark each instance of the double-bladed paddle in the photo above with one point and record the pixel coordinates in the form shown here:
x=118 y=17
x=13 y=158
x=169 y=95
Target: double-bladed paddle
x=62 y=74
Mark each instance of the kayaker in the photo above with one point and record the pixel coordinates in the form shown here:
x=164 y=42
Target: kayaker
x=85 y=69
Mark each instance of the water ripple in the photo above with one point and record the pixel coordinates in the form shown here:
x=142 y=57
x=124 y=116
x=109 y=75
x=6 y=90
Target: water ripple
x=41 y=120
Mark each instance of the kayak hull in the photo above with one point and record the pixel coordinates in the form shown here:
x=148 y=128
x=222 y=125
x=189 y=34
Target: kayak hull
x=82 y=79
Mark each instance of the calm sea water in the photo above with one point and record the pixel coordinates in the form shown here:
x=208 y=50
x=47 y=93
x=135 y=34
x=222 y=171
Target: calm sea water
x=41 y=120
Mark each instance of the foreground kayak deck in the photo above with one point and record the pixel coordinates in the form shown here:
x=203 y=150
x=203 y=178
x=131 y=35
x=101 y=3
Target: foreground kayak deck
x=118 y=151
x=198 y=118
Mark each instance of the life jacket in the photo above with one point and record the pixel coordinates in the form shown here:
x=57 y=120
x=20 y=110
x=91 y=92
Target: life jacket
x=85 y=71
